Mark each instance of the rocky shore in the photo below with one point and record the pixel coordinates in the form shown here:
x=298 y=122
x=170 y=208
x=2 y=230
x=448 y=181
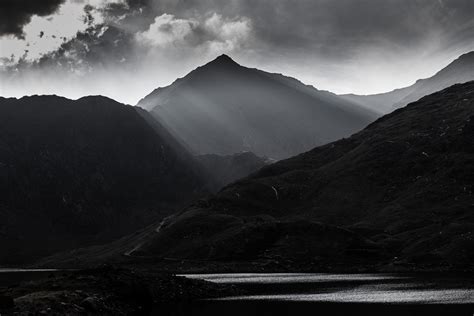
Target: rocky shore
x=107 y=290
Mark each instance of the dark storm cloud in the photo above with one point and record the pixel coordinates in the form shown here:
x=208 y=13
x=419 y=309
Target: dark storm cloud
x=98 y=46
x=14 y=14
x=334 y=28
x=326 y=28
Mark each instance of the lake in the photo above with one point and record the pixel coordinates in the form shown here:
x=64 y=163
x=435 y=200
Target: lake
x=339 y=294
x=281 y=294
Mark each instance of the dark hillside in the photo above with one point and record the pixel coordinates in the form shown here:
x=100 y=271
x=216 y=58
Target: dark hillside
x=76 y=172
x=397 y=194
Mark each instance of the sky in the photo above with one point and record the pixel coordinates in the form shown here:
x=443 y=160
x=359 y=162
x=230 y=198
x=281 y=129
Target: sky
x=124 y=49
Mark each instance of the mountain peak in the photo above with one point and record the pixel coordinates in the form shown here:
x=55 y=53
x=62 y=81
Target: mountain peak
x=223 y=60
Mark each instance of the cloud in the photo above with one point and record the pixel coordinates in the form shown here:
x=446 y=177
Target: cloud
x=166 y=29
x=211 y=32
x=43 y=35
x=15 y=14
x=228 y=34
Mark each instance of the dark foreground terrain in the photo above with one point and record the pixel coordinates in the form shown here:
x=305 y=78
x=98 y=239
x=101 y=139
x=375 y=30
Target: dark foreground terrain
x=104 y=291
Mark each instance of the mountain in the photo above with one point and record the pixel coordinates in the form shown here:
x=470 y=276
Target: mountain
x=398 y=194
x=74 y=173
x=224 y=108
x=459 y=71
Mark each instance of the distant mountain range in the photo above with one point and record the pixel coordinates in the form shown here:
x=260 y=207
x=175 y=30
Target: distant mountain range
x=459 y=71
x=397 y=195
x=74 y=173
x=224 y=108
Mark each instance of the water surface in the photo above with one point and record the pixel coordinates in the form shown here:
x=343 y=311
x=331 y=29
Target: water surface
x=339 y=294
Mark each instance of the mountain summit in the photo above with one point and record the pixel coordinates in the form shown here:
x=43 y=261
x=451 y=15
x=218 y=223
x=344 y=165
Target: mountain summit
x=238 y=109
x=223 y=60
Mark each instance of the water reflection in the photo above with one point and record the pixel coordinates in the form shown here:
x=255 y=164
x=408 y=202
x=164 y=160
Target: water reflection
x=236 y=278
x=456 y=296
x=347 y=288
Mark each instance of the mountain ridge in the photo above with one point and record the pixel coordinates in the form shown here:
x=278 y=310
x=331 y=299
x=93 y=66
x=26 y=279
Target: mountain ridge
x=237 y=109
x=396 y=195
x=460 y=70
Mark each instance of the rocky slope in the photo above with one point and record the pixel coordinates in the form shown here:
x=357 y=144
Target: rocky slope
x=398 y=194
x=79 y=172
x=459 y=71
x=224 y=108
